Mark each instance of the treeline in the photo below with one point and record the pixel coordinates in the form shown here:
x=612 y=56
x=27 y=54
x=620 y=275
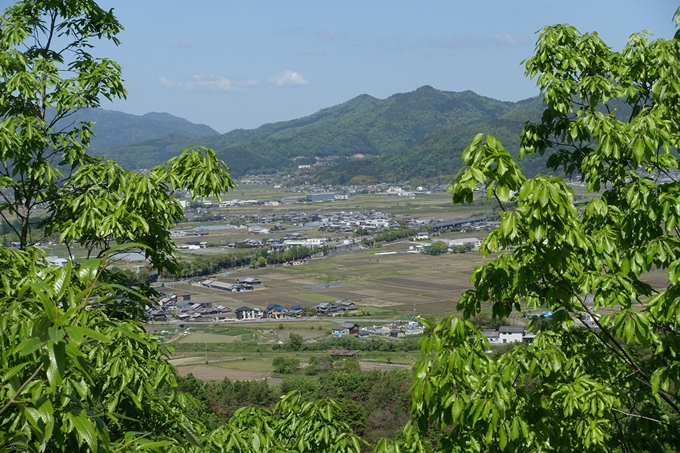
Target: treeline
x=439 y=247
x=392 y=235
x=375 y=404
x=201 y=266
x=407 y=344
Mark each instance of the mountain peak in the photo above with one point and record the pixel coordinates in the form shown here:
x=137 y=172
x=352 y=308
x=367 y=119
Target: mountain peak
x=412 y=133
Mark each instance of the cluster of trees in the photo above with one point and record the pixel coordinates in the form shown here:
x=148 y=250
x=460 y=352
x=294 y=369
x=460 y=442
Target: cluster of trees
x=285 y=365
x=391 y=235
x=439 y=247
x=78 y=372
x=201 y=266
x=374 y=404
x=347 y=342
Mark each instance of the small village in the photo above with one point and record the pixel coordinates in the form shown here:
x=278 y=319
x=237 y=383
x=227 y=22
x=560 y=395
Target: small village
x=181 y=310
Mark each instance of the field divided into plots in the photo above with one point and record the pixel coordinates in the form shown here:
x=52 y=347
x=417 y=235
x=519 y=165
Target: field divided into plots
x=388 y=285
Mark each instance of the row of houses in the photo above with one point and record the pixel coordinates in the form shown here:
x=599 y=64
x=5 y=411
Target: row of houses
x=392 y=330
x=241 y=284
x=273 y=311
x=183 y=308
x=336 y=308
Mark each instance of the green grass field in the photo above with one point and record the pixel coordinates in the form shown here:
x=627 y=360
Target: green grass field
x=252 y=358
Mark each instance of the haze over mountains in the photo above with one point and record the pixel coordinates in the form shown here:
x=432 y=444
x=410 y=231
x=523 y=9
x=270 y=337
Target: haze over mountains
x=117 y=128
x=416 y=135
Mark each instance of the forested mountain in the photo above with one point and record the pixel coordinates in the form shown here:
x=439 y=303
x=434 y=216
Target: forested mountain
x=117 y=128
x=418 y=134
x=439 y=156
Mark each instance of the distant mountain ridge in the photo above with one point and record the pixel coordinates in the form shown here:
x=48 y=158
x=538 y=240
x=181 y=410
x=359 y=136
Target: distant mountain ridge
x=418 y=134
x=113 y=128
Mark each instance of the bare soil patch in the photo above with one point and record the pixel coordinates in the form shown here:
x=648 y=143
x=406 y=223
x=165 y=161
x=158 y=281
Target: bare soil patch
x=421 y=284
x=201 y=337
x=373 y=302
x=211 y=373
x=381 y=366
x=184 y=361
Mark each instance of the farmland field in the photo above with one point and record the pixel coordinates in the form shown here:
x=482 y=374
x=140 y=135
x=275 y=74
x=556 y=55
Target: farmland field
x=388 y=282
x=392 y=282
x=200 y=337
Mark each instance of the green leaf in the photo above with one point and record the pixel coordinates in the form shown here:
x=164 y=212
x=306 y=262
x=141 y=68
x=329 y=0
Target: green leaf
x=79 y=332
x=28 y=346
x=56 y=353
x=191 y=435
x=85 y=430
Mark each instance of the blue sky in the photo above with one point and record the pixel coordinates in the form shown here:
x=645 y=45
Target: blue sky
x=240 y=64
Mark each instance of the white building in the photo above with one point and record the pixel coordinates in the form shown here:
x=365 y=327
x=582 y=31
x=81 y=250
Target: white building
x=249 y=313
x=315 y=242
x=474 y=241
x=510 y=334
x=188 y=247
x=258 y=230
x=56 y=261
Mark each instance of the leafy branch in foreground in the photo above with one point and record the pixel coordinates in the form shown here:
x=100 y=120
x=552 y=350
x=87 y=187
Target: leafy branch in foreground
x=72 y=378
x=610 y=385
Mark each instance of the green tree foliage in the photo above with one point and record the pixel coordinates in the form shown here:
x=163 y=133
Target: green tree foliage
x=77 y=370
x=295 y=342
x=103 y=204
x=76 y=373
x=222 y=399
x=610 y=385
x=208 y=265
x=437 y=248
x=47 y=73
x=374 y=404
x=374 y=344
x=292 y=426
x=39 y=88
x=285 y=365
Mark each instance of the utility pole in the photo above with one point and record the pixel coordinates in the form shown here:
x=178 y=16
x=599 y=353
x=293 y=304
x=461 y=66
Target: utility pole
x=206 y=353
x=414 y=310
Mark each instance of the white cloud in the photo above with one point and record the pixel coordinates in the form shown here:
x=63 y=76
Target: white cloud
x=508 y=40
x=330 y=35
x=312 y=51
x=184 y=43
x=392 y=43
x=456 y=42
x=472 y=41
x=288 y=79
x=208 y=83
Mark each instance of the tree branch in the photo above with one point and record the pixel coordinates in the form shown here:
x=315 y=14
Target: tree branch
x=639 y=416
x=21 y=389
